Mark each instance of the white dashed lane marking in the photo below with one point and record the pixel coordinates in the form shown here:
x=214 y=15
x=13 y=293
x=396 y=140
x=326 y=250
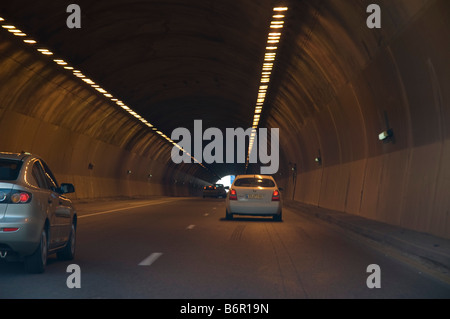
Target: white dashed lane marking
x=150 y=259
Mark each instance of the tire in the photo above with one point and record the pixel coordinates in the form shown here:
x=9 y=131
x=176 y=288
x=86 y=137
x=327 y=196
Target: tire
x=228 y=216
x=278 y=218
x=36 y=262
x=68 y=252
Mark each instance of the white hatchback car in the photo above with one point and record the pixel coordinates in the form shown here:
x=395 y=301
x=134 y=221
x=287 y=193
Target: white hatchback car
x=256 y=195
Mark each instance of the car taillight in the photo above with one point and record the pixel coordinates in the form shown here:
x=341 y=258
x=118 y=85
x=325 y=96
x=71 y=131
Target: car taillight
x=9 y=229
x=275 y=196
x=3 y=196
x=20 y=198
x=233 y=195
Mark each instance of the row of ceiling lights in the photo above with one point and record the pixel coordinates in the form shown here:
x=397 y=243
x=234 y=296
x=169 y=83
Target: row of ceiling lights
x=80 y=75
x=273 y=40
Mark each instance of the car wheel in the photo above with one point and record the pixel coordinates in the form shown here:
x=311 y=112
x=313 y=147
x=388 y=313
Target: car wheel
x=36 y=262
x=228 y=216
x=68 y=253
x=278 y=217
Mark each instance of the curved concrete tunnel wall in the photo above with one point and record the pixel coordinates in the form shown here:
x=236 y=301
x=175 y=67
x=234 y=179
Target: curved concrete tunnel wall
x=343 y=84
x=84 y=139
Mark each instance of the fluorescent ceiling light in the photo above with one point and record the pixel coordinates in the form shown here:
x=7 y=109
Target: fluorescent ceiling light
x=78 y=74
x=88 y=81
x=45 y=51
x=60 y=62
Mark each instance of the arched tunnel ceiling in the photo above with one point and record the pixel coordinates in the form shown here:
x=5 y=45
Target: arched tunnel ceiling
x=336 y=85
x=333 y=86
x=172 y=61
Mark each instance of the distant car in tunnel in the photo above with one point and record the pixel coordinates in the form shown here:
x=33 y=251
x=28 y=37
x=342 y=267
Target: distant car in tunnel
x=36 y=219
x=256 y=195
x=215 y=190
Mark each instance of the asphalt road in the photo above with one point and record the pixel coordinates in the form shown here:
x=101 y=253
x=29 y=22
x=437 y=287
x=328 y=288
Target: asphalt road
x=184 y=248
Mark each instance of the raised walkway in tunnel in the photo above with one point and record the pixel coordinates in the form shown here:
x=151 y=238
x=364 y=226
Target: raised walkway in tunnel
x=426 y=252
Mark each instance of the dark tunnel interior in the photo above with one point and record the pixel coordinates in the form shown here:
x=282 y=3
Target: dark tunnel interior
x=336 y=85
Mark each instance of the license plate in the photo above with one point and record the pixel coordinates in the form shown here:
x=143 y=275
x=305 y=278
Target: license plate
x=254 y=196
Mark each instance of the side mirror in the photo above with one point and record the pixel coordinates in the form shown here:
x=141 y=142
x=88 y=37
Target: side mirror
x=227 y=187
x=66 y=188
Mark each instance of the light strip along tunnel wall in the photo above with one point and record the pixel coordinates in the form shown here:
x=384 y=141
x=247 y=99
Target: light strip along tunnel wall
x=336 y=86
x=85 y=139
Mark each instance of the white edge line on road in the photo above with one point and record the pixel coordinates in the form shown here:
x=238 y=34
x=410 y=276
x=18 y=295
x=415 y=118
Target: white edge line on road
x=124 y=208
x=150 y=259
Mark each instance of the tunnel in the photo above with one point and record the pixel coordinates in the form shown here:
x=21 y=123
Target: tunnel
x=338 y=87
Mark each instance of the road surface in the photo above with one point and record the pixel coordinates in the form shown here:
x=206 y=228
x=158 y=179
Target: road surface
x=177 y=248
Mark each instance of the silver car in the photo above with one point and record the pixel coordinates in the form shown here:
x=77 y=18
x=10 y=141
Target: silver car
x=254 y=195
x=36 y=219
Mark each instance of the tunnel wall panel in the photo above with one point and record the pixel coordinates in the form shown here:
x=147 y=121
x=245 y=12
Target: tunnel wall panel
x=85 y=140
x=395 y=78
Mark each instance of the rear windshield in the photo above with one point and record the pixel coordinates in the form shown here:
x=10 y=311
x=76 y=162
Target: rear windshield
x=254 y=182
x=9 y=169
